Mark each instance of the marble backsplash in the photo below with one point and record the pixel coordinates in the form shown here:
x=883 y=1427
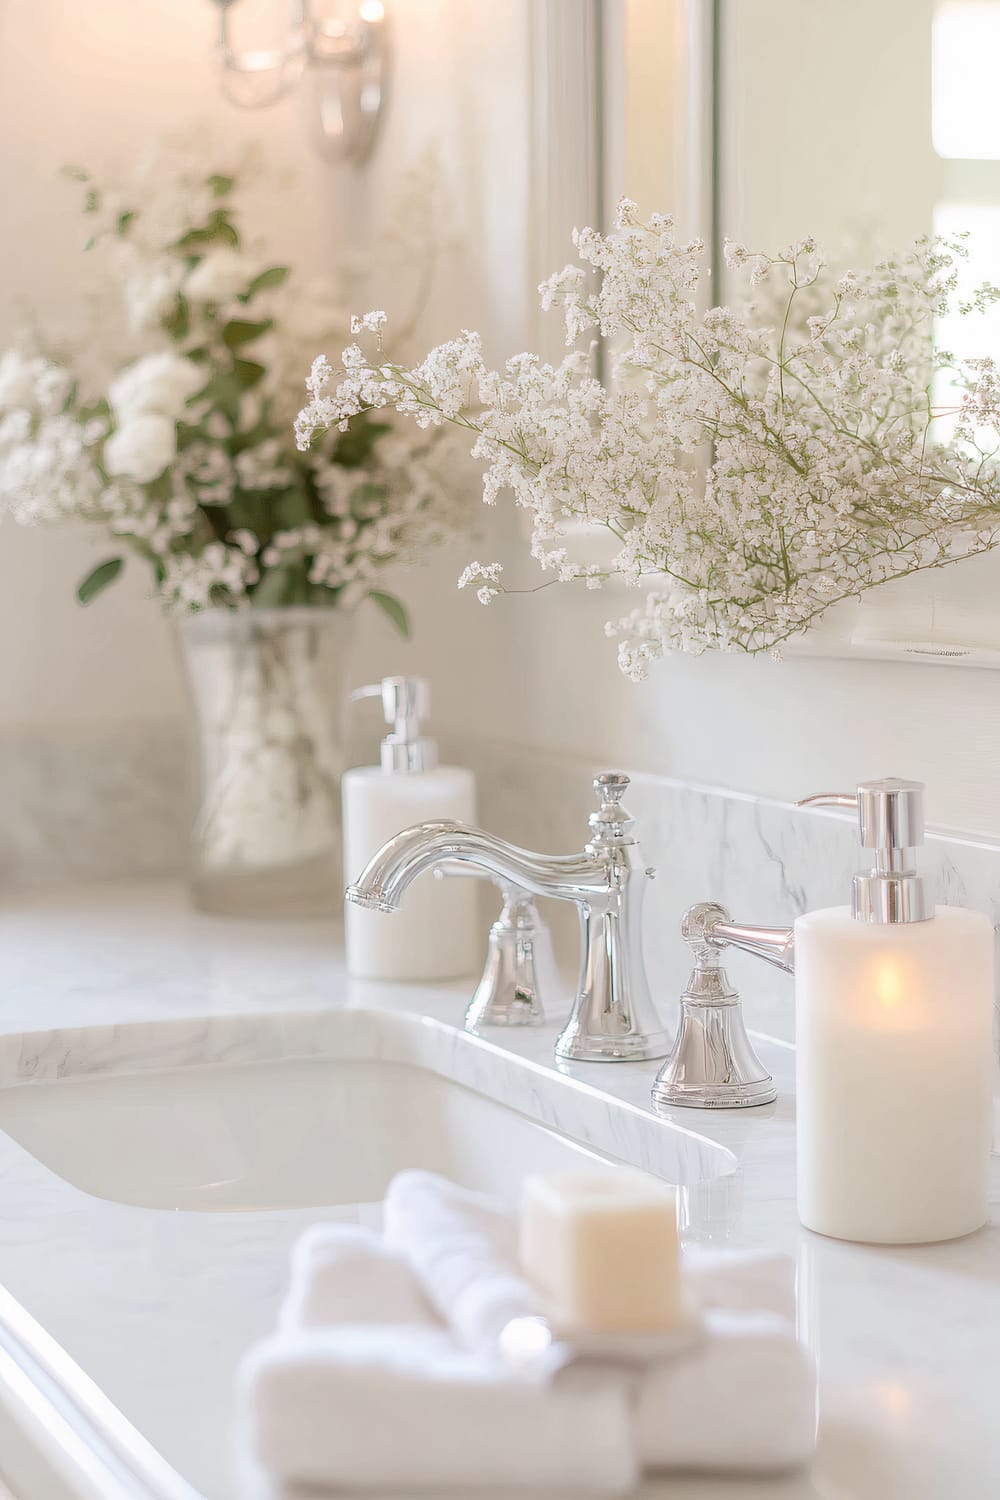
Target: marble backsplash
x=766 y=861
x=76 y=808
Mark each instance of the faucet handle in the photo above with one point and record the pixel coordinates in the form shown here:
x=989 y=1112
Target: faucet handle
x=713 y=1064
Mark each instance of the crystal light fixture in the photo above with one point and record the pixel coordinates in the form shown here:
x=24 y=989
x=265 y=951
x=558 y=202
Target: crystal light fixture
x=339 y=48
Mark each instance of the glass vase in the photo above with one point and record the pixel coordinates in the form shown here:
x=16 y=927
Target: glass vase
x=267 y=687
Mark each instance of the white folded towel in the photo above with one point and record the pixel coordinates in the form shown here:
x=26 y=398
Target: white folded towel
x=386 y=1408
x=347 y=1273
x=425 y=1400
x=744 y=1401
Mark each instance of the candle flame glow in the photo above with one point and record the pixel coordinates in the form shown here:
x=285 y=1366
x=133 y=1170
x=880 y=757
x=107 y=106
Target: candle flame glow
x=888 y=985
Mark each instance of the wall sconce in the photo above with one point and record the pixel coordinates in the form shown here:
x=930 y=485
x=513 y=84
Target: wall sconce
x=343 y=48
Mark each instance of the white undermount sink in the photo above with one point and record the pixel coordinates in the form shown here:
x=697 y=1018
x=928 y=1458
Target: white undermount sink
x=386 y=1091
x=255 y=1136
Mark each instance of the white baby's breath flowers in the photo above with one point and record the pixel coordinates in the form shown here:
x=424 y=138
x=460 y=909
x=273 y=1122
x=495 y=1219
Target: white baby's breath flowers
x=369 y=322
x=758 y=467
x=488 y=576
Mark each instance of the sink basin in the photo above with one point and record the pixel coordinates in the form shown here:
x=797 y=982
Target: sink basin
x=273 y=1135
x=387 y=1091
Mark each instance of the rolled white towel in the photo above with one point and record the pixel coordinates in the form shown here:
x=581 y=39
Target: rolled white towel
x=744 y=1401
x=403 y=1408
x=463 y=1247
x=347 y=1273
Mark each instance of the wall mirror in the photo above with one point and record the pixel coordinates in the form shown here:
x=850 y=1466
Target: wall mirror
x=762 y=120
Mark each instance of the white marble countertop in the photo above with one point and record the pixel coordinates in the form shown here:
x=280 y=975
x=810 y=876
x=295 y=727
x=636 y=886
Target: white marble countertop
x=907 y=1340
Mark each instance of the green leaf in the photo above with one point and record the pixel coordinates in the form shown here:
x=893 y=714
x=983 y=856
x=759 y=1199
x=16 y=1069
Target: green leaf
x=178 y=323
x=292 y=509
x=218 y=229
x=261 y=429
x=367 y=501
x=394 y=609
x=92 y=202
x=265 y=282
x=222 y=393
x=93 y=410
x=125 y=219
x=248 y=373
x=98 y=580
x=187 y=435
x=354 y=447
x=277 y=587
x=220 y=184
x=239 y=331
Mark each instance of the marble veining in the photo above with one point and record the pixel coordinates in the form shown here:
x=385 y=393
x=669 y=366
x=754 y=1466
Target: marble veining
x=766 y=861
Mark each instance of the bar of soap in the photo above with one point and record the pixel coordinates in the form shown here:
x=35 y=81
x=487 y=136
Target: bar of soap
x=602 y=1247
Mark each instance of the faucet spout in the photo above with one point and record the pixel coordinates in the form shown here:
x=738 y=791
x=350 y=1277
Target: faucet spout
x=385 y=879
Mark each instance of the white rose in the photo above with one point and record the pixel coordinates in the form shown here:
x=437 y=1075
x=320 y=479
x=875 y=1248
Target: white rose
x=219 y=276
x=158 y=384
x=141 y=448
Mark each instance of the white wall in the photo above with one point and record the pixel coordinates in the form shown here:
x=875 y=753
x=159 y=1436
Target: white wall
x=83 y=81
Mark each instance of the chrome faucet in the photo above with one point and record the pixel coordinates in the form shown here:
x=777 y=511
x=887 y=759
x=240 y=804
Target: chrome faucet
x=613 y=1018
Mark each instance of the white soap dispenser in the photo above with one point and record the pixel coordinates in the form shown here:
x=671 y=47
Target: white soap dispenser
x=436 y=933
x=894 y=1052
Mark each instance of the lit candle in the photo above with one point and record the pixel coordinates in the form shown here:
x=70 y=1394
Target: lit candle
x=894 y=1064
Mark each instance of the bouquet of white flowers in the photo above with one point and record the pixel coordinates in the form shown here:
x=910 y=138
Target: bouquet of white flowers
x=756 y=468
x=186 y=456
x=171 y=432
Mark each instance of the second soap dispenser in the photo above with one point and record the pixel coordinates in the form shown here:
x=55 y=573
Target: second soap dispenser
x=894 y=1057
x=436 y=933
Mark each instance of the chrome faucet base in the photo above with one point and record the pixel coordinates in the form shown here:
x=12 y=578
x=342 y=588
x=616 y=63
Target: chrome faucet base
x=575 y=1045
x=713 y=1064
x=709 y=1070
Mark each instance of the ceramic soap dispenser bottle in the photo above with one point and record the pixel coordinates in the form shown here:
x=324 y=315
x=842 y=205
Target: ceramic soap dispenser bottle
x=894 y=1057
x=436 y=934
